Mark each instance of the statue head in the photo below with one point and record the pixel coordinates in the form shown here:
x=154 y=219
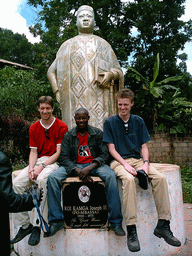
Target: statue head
x=85 y=19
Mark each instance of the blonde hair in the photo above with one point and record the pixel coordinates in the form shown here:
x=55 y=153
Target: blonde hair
x=125 y=93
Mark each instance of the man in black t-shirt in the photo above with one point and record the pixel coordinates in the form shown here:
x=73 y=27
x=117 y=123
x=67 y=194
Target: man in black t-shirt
x=127 y=136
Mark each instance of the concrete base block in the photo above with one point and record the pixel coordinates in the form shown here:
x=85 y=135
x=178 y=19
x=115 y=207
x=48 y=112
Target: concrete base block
x=94 y=242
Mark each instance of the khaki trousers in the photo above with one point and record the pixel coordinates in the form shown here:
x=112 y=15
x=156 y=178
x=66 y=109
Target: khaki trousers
x=22 y=181
x=159 y=190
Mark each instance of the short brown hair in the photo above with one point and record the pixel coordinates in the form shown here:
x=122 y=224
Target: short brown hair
x=125 y=93
x=46 y=99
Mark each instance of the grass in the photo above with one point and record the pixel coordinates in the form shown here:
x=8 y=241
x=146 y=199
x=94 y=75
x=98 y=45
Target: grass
x=186 y=177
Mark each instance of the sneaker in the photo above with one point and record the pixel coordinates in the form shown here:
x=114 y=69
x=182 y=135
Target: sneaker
x=54 y=228
x=162 y=230
x=22 y=233
x=34 y=238
x=118 y=230
x=132 y=239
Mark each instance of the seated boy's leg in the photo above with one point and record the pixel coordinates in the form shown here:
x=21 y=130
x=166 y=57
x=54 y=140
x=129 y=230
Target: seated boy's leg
x=159 y=188
x=34 y=238
x=129 y=204
x=55 y=211
x=129 y=193
x=112 y=194
x=160 y=193
x=21 y=219
x=42 y=183
x=20 y=183
x=161 y=197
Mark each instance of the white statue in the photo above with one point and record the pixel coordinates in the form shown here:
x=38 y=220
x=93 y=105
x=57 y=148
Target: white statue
x=86 y=73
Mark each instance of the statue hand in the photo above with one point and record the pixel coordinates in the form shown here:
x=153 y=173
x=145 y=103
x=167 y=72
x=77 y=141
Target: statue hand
x=58 y=96
x=107 y=77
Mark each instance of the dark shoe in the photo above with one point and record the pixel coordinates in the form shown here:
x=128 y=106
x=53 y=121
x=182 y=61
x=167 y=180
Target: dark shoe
x=54 y=228
x=34 y=238
x=22 y=233
x=163 y=231
x=118 y=230
x=132 y=239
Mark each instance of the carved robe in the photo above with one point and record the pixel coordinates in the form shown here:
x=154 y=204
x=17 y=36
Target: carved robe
x=78 y=63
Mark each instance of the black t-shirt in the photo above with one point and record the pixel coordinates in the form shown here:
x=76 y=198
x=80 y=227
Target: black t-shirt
x=128 y=142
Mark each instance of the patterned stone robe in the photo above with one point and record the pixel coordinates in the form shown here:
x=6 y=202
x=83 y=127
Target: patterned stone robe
x=77 y=66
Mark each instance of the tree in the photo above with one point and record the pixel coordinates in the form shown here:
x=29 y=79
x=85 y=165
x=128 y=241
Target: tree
x=159 y=30
x=15 y=47
x=20 y=92
x=163 y=101
x=157 y=22
x=57 y=23
x=19 y=96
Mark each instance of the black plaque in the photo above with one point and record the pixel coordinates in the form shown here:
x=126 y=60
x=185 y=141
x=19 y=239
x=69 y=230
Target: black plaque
x=84 y=205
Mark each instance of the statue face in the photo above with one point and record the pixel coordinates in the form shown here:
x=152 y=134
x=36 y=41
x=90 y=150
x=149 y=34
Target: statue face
x=85 y=21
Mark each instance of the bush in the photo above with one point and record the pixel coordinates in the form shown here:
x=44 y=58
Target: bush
x=162 y=104
x=14 y=138
x=186 y=176
x=20 y=92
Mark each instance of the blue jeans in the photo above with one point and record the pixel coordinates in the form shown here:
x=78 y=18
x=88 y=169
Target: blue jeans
x=55 y=211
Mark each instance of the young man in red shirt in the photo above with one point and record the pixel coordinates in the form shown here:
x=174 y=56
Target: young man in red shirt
x=45 y=137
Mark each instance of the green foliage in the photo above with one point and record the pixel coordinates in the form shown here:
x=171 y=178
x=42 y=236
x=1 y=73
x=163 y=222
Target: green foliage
x=14 y=138
x=158 y=25
x=160 y=30
x=163 y=101
x=20 y=92
x=186 y=176
x=57 y=23
x=15 y=47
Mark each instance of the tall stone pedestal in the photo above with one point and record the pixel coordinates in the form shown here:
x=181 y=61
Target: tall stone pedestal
x=99 y=242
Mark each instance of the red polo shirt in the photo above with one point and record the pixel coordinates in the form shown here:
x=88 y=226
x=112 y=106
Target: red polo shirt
x=47 y=139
